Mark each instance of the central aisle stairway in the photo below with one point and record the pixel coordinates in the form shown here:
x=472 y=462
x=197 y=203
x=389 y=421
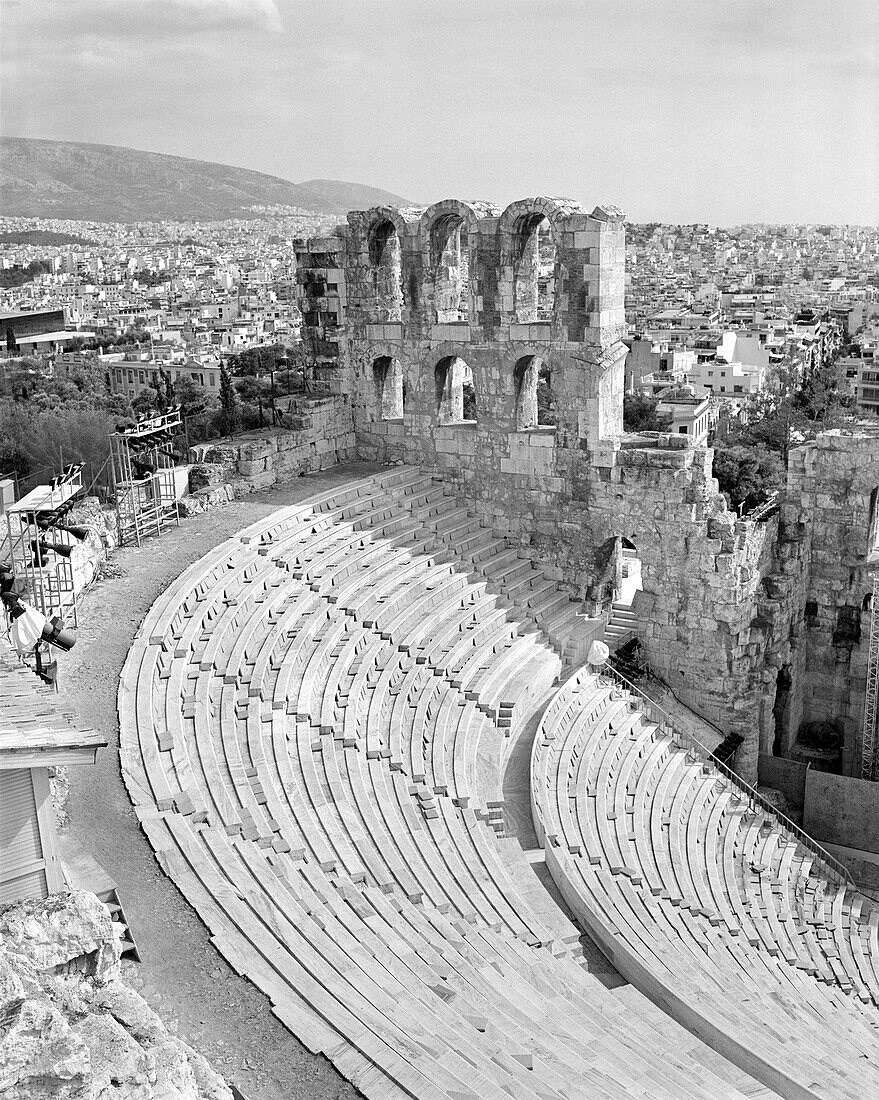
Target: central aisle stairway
x=314 y=720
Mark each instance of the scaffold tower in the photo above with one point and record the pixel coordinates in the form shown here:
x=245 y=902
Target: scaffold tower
x=145 y=476
x=40 y=545
x=868 y=740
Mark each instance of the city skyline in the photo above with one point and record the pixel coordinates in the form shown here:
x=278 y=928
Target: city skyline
x=755 y=112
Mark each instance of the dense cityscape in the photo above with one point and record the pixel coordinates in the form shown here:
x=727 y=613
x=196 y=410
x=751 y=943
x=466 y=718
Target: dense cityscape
x=739 y=317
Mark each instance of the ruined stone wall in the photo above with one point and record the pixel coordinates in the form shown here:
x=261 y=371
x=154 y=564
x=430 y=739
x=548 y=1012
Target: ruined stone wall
x=830 y=487
x=447 y=319
x=318 y=434
x=429 y=316
x=440 y=300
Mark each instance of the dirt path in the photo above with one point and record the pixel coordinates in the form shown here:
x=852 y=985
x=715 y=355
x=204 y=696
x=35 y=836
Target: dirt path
x=182 y=975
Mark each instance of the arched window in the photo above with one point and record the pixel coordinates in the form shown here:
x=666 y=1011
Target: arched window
x=455 y=394
x=873 y=524
x=450 y=265
x=535 y=401
x=525 y=375
x=385 y=256
x=387 y=375
x=534 y=257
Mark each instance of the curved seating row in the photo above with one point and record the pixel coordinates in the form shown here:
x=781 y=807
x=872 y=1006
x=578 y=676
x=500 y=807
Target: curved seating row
x=703 y=902
x=312 y=725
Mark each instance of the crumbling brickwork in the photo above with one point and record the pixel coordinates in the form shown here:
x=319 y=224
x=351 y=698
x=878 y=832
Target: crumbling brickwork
x=318 y=433
x=815 y=616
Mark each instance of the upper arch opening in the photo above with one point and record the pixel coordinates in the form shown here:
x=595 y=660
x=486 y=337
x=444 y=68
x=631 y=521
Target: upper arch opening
x=535 y=258
x=385 y=257
x=450 y=267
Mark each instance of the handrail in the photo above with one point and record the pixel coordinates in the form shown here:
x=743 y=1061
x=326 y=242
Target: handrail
x=834 y=868
x=764 y=510
x=677 y=699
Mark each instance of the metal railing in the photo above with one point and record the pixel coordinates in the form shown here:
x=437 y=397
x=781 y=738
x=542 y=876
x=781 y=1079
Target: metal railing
x=832 y=866
x=765 y=510
x=868 y=738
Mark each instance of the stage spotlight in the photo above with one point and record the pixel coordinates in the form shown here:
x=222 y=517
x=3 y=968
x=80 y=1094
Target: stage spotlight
x=29 y=626
x=71 y=529
x=143 y=467
x=63 y=549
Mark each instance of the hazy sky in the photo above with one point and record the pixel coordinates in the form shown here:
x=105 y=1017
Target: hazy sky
x=681 y=110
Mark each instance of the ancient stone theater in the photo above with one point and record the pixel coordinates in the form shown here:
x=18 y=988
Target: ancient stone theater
x=372 y=740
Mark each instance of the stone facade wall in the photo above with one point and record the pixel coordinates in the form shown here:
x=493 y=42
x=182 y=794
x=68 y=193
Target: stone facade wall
x=822 y=580
x=450 y=285
x=409 y=319
x=70 y=1028
x=437 y=309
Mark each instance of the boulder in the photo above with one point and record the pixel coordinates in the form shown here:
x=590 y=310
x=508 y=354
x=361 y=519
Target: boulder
x=49 y=933
x=204 y=475
x=70 y=1028
x=120 y=1067
x=40 y=1055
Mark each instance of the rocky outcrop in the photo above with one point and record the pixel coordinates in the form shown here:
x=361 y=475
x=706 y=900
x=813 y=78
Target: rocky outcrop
x=69 y=1026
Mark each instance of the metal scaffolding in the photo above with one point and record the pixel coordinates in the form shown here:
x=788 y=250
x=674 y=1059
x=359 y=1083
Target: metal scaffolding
x=40 y=546
x=145 y=476
x=868 y=740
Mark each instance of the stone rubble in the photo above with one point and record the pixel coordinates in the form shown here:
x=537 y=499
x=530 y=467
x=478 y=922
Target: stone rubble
x=70 y=1028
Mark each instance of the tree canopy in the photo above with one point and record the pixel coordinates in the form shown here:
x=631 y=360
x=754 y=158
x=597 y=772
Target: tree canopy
x=640 y=415
x=747 y=476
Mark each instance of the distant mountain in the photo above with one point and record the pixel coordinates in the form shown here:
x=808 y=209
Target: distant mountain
x=343 y=197
x=76 y=180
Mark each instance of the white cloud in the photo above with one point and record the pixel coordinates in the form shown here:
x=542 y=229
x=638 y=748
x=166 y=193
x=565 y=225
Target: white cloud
x=262 y=14
x=149 y=18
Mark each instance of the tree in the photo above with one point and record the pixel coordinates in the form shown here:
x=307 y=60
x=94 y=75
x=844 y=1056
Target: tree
x=228 y=402
x=547 y=406
x=13 y=459
x=640 y=415
x=134 y=334
x=18 y=276
x=167 y=388
x=302 y=358
x=747 y=476
x=193 y=398
x=147 y=402
x=469 y=401
x=792 y=410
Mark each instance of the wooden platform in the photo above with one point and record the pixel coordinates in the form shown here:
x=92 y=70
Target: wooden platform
x=35 y=729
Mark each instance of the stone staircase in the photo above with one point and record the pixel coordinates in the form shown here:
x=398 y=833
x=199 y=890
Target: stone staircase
x=621 y=626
